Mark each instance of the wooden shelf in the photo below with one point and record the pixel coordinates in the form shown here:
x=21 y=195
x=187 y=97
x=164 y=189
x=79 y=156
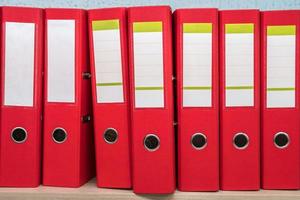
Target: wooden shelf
x=90 y=192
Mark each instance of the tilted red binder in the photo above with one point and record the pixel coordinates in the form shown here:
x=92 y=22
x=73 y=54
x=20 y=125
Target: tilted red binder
x=150 y=67
x=68 y=138
x=239 y=100
x=280 y=32
x=21 y=96
x=196 y=40
x=110 y=86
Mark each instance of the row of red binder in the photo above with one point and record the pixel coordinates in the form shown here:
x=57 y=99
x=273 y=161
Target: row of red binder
x=236 y=106
x=61 y=110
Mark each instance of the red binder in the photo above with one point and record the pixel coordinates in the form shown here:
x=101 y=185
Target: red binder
x=109 y=68
x=239 y=90
x=280 y=99
x=21 y=96
x=68 y=139
x=150 y=67
x=196 y=37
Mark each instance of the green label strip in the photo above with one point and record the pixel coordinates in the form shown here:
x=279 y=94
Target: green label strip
x=102 y=25
x=147 y=26
x=197 y=27
x=281 y=89
x=239 y=28
x=239 y=87
x=149 y=88
x=281 y=30
x=197 y=88
x=109 y=84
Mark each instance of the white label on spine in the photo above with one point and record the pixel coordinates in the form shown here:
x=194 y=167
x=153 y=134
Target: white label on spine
x=148 y=65
x=197 y=65
x=281 y=58
x=19 y=64
x=239 y=65
x=61 y=60
x=108 y=61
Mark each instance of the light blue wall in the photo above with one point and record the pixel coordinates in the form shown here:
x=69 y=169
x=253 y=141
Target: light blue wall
x=222 y=4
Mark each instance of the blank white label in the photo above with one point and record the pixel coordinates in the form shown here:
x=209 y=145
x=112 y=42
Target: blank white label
x=239 y=65
x=197 y=64
x=19 y=64
x=148 y=64
x=281 y=52
x=61 y=60
x=108 y=61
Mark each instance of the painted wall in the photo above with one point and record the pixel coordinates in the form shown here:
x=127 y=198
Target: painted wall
x=222 y=4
